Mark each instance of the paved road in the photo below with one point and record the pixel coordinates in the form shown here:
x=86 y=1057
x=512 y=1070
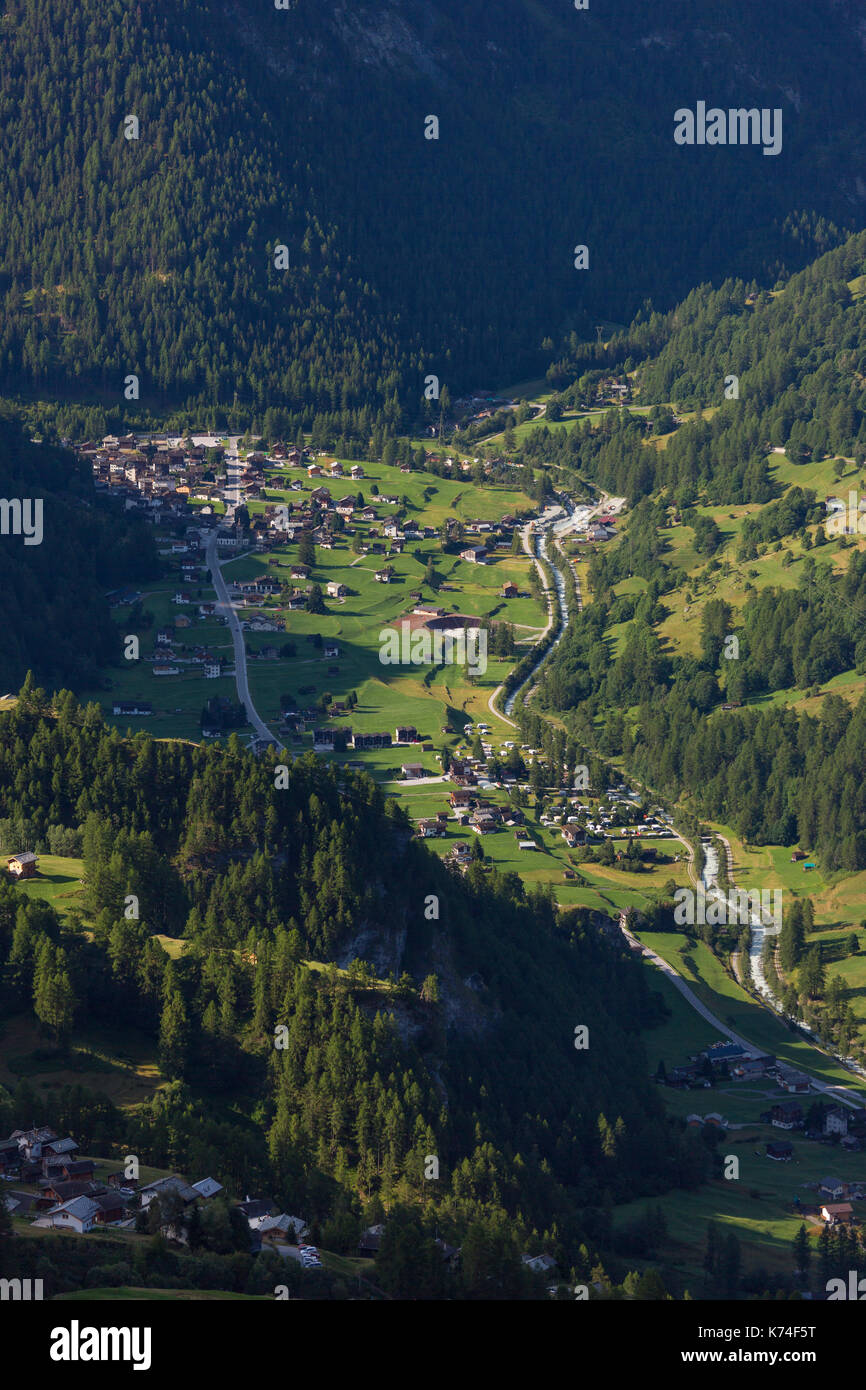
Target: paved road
x=679 y=983
x=225 y=608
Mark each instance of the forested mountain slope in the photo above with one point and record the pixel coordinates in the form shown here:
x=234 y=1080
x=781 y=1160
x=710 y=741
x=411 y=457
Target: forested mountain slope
x=464 y=1050
x=305 y=127
x=756 y=562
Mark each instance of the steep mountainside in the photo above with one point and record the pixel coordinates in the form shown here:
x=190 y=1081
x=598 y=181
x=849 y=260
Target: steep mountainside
x=305 y=127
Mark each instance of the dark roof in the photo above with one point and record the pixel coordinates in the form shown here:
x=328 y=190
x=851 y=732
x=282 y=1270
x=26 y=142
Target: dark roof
x=257 y=1206
x=72 y=1187
x=77 y=1165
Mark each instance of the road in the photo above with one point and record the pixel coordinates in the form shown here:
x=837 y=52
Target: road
x=688 y=993
x=226 y=609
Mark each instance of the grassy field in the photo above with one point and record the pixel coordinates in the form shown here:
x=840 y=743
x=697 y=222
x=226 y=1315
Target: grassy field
x=58 y=882
x=123 y=1069
x=758 y=1206
x=706 y=975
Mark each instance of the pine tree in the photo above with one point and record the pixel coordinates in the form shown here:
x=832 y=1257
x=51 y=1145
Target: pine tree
x=802 y=1253
x=173 y=1036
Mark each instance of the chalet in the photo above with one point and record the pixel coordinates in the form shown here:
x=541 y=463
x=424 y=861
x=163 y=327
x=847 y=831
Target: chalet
x=256 y=1209
x=78 y=1215
x=573 y=835
x=475 y=554
x=837 y=1214
x=539 y=1264
x=22 y=865
x=787 y=1115
x=754 y=1066
x=412 y=770
x=163 y=1186
x=721 y=1053
x=30 y=1141
x=793 y=1081
x=300 y=571
x=685 y=1075
x=111 y=1207
x=68 y=1169
x=383 y=576
x=836 y=1121
x=461 y=797
x=335 y=589
x=428 y=829
x=371 y=1239
x=509 y=590
x=832 y=1189
x=332 y=651
x=405 y=733
x=58 y=1148
x=331 y=738
x=207 y=1188
x=782 y=1150
x=356 y=471
x=382 y=740
x=55 y=1190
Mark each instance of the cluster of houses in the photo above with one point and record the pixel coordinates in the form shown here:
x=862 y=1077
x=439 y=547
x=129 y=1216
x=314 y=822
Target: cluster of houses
x=732 y=1060
x=330 y=739
x=68 y=1196
x=63 y=1193
x=603 y=528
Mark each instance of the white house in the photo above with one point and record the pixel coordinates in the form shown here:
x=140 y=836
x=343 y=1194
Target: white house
x=77 y=1215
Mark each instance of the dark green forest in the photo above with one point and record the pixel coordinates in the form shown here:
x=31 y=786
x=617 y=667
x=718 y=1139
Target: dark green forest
x=452 y=1037
x=304 y=128
x=777 y=775
x=56 y=618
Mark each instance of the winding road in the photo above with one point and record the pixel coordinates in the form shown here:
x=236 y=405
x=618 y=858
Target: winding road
x=226 y=609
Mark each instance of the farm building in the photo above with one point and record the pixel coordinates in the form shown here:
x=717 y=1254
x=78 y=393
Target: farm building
x=22 y=865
